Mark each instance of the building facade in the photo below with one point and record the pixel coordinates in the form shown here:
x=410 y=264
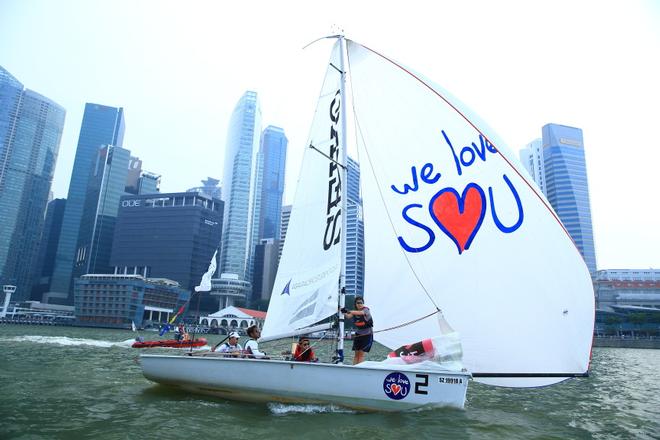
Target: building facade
x=101 y=125
x=168 y=235
x=557 y=164
x=284 y=225
x=354 y=231
x=114 y=301
x=239 y=188
x=48 y=247
x=30 y=132
x=627 y=287
x=266 y=257
x=210 y=187
x=273 y=155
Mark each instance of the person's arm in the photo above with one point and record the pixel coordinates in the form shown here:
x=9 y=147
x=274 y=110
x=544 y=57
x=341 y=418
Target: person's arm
x=254 y=347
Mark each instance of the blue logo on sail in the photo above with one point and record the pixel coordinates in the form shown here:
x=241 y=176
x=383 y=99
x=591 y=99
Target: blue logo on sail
x=286 y=289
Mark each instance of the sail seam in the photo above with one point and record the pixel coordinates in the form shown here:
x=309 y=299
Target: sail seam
x=479 y=131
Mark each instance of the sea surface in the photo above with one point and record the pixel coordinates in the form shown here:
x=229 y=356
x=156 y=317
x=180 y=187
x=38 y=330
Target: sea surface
x=79 y=383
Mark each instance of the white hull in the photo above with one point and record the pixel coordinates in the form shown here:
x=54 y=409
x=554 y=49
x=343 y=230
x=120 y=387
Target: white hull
x=258 y=380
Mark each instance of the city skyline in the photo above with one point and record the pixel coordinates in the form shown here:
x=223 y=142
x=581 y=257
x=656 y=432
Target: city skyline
x=518 y=73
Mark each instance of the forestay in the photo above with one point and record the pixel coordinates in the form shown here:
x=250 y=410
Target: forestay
x=306 y=286
x=451 y=222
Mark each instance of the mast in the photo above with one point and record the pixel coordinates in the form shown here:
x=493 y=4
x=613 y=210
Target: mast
x=344 y=205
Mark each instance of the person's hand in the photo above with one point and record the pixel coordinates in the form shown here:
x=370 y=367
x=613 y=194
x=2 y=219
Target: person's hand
x=343 y=310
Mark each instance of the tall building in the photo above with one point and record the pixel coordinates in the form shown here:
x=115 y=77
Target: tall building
x=149 y=183
x=101 y=125
x=107 y=183
x=169 y=235
x=239 y=187
x=48 y=248
x=354 y=231
x=265 y=268
x=557 y=164
x=30 y=133
x=273 y=157
x=284 y=225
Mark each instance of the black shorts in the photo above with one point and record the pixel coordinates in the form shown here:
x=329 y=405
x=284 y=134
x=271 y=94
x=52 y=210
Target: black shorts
x=363 y=342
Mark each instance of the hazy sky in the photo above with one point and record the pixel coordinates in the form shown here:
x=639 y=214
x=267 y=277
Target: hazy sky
x=178 y=69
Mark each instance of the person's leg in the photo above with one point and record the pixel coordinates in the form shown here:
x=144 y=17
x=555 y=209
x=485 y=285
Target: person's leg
x=359 y=357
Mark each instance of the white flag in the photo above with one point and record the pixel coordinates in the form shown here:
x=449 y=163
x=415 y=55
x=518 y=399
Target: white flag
x=205 y=284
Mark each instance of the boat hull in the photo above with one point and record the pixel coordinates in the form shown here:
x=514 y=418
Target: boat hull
x=257 y=380
x=170 y=343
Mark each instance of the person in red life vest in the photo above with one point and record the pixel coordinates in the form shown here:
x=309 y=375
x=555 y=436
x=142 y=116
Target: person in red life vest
x=304 y=352
x=364 y=336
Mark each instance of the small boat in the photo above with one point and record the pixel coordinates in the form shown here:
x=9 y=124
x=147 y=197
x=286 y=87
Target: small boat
x=469 y=273
x=170 y=343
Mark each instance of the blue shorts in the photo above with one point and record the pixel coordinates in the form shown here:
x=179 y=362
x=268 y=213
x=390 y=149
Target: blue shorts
x=363 y=342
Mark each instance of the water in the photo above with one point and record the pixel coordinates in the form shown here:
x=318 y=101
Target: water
x=76 y=383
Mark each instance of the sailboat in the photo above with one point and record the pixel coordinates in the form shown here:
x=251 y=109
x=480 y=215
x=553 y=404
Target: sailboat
x=469 y=273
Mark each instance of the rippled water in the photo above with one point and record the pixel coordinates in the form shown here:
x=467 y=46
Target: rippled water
x=68 y=383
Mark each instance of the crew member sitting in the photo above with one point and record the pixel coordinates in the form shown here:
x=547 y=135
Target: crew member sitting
x=252 y=345
x=304 y=352
x=231 y=347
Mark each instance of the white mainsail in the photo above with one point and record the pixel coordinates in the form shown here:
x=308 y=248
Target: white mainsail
x=451 y=223
x=306 y=286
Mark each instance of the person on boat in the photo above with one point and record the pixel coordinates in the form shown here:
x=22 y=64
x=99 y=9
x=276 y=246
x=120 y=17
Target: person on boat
x=231 y=346
x=177 y=334
x=364 y=336
x=304 y=352
x=252 y=345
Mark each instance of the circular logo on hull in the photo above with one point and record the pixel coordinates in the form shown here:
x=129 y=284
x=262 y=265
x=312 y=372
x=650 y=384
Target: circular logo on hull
x=396 y=386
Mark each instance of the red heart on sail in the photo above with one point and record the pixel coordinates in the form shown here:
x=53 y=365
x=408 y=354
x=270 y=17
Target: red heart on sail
x=459 y=216
x=395 y=389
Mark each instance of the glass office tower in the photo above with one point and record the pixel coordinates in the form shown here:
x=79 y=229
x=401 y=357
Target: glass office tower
x=101 y=125
x=567 y=186
x=273 y=154
x=30 y=133
x=239 y=186
x=354 y=231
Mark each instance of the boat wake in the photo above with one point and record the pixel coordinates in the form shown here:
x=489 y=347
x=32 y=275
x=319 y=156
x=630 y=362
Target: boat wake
x=282 y=409
x=63 y=340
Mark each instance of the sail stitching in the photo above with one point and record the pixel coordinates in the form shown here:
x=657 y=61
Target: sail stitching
x=380 y=193
x=479 y=131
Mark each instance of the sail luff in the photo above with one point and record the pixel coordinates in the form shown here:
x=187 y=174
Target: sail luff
x=344 y=192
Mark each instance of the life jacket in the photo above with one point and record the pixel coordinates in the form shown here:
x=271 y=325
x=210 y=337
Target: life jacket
x=361 y=323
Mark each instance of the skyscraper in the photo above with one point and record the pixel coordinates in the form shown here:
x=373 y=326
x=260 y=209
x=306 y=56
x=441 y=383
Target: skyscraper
x=557 y=164
x=101 y=125
x=284 y=225
x=49 y=240
x=273 y=156
x=354 y=231
x=30 y=133
x=239 y=186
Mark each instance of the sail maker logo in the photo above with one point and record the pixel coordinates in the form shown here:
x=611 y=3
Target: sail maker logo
x=332 y=234
x=458 y=214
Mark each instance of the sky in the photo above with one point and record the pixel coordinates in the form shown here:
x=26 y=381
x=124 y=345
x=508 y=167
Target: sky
x=178 y=69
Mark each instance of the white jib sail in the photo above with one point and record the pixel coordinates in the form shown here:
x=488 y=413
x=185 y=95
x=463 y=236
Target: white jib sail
x=451 y=221
x=306 y=286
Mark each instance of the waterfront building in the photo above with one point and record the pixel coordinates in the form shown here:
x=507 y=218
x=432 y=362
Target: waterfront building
x=627 y=287
x=101 y=125
x=210 y=187
x=284 y=225
x=558 y=166
x=234 y=319
x=239 y=188
x=30 y=132
x=229 y=290
x=115 y=301
x=266 y=257
x=168 y=235
x=354 y=231
x=48 y=247
x=273 y=155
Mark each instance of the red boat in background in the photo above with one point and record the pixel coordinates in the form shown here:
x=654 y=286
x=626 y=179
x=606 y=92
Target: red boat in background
x=170 y=343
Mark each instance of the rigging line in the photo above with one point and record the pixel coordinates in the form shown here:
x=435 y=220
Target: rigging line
x=477 y=129
x=407 y=323
x=380 y=193
x=326 y=156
